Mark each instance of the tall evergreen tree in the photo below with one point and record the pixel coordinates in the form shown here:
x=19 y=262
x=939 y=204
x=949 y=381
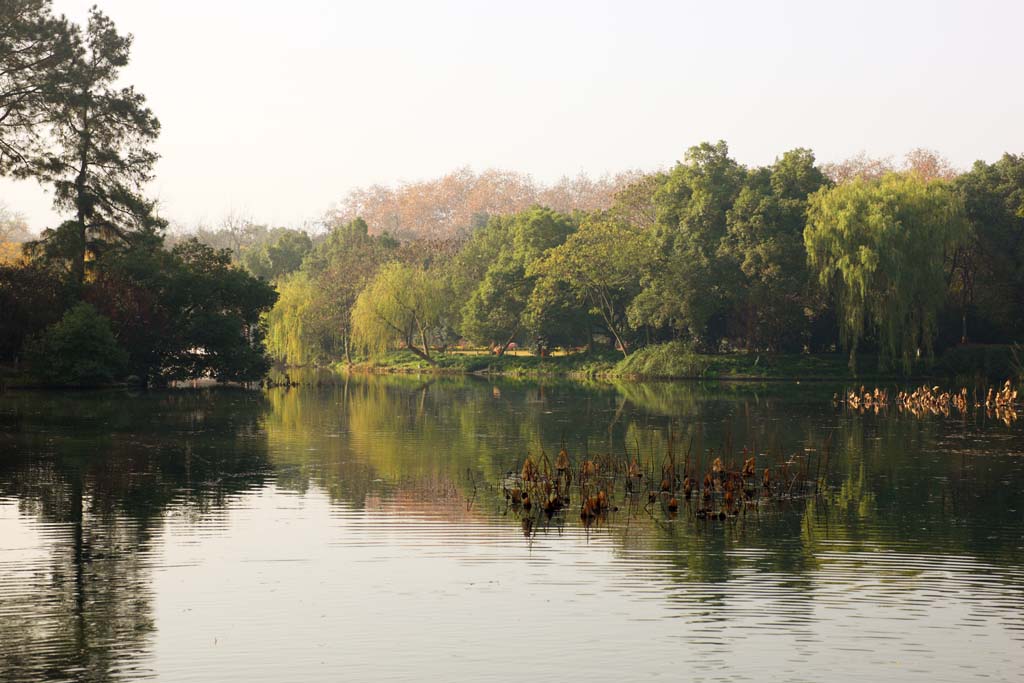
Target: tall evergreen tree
x=100 y=158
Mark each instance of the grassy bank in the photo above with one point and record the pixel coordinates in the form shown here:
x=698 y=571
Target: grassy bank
x=666 y=361
x=514 y=365
x=675 y=361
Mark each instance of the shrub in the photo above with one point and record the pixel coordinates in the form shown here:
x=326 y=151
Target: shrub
x=79 y=350
x=672 y=359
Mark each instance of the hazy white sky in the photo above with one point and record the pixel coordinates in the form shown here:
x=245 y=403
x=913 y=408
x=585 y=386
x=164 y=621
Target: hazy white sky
x=277 y=109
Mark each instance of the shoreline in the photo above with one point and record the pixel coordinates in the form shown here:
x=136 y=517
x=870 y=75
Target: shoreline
x=702 y=368
x=652 y=364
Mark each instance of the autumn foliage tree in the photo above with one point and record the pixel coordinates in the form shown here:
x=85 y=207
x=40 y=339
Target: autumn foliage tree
x=454 y=204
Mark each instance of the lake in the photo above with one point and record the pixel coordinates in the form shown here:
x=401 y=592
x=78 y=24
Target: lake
x=361 y=529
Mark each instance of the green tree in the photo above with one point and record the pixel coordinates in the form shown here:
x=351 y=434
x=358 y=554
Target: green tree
x=495 y=273
x=184 y=313
x=771 y=297
x=293 y=332
x=100 y=159
x=987 y=277
x=400 y=305
x=312 y=320
x=686 y=287
x=80 y=349
x=494 y=312
x=601 y=264
x=281 y=254
x=880 y=247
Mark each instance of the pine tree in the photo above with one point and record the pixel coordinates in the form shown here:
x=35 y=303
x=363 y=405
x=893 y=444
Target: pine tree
x=100 y=158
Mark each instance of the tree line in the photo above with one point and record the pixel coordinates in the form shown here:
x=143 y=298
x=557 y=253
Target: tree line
x=865 y=256
x=101 y=296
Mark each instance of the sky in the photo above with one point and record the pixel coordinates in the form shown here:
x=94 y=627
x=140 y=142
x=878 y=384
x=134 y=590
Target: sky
x=276 y=110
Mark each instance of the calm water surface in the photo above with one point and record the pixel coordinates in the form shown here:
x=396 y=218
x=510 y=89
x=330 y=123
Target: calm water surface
x=357 y=531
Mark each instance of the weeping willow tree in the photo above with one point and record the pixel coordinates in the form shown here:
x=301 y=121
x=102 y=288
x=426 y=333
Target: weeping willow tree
x=880 y=247
x=311 y=322
x=291 y=328
x=401 y=305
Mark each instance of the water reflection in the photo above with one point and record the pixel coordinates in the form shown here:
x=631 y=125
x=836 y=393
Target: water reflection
x=299 y=533
x=96 y=473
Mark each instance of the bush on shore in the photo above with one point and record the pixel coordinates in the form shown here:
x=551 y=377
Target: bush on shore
x=78 y=350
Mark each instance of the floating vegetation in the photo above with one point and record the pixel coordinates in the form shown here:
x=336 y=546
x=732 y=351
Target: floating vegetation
x=867 y=400
x=1000 y=404
x=595 y=487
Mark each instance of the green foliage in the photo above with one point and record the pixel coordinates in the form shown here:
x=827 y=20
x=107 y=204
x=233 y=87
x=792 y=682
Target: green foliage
x=291 y=328
x=880 y=247
x=685 y=286
x=988 y=270
x=555 y=316
x=312 y=322
x=184 y=313
x=494 y=312
x=725 y=264
x=600 y=264
x=676 y=360
x=280 y=255
x=575 y=364
x=80 y=349
x=495 y=275
x=672 y=359
x=400 y=305
x=769 y=297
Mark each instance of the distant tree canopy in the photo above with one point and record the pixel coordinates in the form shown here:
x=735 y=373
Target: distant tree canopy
x=13 y=227
x=455 y=204
x=280 y=254
x=788 y=257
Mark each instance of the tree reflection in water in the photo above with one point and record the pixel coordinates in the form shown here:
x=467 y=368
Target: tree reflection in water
x=97 y=473
x=96 y=476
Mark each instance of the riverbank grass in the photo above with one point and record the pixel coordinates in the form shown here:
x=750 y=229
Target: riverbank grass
x=662 y=361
